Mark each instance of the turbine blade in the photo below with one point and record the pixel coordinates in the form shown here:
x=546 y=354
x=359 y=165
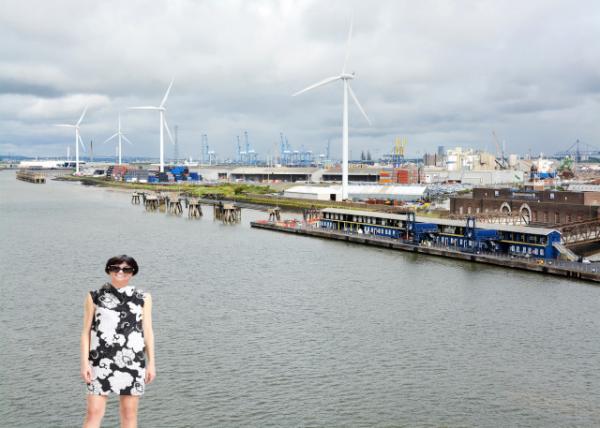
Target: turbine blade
x=164 y=100
x=358 y=104
x=110 y=138
x=82 y=115
x=316 y=85
x=63 y=125
x=168 y=131
x=144 y=108
x=348 y=44
x=81 y=142
x=126 y=139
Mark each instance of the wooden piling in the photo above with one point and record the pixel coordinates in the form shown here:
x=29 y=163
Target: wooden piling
x=31 y=176
x=194 y=208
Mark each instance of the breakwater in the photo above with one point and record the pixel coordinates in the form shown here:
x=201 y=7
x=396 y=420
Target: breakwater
x=569 y=270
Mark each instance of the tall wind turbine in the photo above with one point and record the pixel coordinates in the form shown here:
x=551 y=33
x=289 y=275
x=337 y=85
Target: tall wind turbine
x=77 y=138
x=345 y=78
x=121 y=136
x=163 y=124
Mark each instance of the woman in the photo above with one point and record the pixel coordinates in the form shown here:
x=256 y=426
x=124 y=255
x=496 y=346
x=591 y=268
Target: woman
x=117 y=332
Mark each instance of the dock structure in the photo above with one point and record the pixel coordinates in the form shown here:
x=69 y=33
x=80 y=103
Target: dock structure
x=522 y=247
x=135 y=198
x=31 y=176
x=227 y=213
x=194 y=208
x=173 y=204
x=274 y=214
x=151 y=202
x=311 y=213
x=580 y=271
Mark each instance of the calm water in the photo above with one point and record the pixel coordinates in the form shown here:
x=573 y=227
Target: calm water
x=255 y=328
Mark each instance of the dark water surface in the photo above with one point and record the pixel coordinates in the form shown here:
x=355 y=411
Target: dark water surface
x=255 y=328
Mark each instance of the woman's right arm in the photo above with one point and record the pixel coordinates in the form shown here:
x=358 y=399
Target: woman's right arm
x=88 y=315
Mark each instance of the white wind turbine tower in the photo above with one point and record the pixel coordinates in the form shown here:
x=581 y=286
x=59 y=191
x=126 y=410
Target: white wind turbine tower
x=345 y=78
x=121 y=136
x=163 y=125
x=77 y=138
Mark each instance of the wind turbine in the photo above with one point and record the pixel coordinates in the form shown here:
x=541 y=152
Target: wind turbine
x=77 y=138
x=345 y=78
x=121 y=136
x=163 y=124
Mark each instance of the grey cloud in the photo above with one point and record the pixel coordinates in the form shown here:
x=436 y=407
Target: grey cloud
x=439 y=72
x=14 y=86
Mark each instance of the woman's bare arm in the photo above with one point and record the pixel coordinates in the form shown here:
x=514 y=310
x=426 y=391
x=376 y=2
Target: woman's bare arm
x=149 y=339
x=88 y=316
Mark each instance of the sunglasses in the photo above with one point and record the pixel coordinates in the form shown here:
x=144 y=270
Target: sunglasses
x=115 y=269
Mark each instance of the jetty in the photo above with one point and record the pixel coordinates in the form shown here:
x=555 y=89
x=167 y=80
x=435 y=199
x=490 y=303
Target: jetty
x=31 y=176
x=586 y=272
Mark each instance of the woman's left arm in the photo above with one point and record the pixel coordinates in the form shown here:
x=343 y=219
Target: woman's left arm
x=149 y=339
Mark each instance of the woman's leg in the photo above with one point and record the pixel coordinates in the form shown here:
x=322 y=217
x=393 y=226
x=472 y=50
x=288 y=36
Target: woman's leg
x=96 y=404
x=128 y=410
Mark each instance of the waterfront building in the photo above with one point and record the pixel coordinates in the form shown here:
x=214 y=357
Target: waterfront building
x=465 y=235
x=542 y=207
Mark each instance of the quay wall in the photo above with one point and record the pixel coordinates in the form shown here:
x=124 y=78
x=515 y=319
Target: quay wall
x=434 y=251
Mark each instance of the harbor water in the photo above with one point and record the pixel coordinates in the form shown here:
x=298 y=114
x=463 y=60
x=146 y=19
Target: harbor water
x=255 y=328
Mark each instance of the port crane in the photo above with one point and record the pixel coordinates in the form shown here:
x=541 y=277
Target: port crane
x=579 y=151
x=502 y=164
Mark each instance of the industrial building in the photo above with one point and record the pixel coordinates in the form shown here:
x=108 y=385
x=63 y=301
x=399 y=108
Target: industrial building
x=543 y=207
x=359 y=192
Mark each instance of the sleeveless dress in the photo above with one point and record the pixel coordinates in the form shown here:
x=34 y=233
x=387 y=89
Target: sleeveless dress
x=116 y=355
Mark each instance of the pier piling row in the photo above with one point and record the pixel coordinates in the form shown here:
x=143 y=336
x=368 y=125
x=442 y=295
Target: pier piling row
x=194 y=208
x=31 y=176
x=227 y=213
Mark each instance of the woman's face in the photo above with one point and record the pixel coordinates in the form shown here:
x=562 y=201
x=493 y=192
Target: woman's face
x=118 y=277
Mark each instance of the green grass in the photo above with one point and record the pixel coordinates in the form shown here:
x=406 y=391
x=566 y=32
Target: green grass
x=242 y=192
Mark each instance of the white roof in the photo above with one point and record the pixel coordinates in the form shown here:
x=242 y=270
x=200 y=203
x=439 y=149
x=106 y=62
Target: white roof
x=275 y=170
x=377 y=189
x=374 y=189
x=314 y=190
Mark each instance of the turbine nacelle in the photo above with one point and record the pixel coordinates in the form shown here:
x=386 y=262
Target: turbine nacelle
x=345 y=78
x=77 y=138
x=163 y=122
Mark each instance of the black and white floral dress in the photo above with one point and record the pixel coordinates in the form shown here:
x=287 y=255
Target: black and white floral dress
x=117 y=342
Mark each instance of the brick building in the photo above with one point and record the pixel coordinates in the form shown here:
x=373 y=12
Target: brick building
x=541 y=207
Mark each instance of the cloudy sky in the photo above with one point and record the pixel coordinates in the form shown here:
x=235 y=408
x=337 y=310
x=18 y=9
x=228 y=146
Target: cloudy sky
x=437 y=72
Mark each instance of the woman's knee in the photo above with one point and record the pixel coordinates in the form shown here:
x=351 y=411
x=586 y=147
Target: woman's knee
x=95 y=408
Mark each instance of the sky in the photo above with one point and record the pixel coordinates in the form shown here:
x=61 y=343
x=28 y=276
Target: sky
x=434 y=72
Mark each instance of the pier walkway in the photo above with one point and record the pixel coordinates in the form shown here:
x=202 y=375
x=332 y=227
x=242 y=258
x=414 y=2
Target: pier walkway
x=584 y=271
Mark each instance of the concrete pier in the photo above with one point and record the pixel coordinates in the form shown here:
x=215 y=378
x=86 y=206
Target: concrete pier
x=31 y=176
x=274 y=214
x=227 y=213
x=173 y=204
x=194 y=208
x=551 y=268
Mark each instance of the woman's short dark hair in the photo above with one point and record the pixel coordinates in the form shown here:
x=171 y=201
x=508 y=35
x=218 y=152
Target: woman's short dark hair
x=117 y=260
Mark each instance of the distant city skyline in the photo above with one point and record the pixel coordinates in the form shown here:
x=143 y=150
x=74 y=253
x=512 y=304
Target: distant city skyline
x=436 y=73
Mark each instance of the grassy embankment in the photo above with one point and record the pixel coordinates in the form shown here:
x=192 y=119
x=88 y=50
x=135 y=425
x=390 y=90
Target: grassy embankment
x=249 y=193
